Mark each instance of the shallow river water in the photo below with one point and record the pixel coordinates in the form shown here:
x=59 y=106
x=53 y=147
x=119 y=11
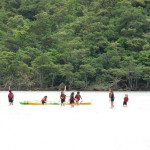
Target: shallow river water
x=93 y=127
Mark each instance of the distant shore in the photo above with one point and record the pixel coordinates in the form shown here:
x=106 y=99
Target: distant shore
x=70 y=89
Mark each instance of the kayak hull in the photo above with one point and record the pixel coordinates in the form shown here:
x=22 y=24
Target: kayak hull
x=51 y=103
x=83 y=103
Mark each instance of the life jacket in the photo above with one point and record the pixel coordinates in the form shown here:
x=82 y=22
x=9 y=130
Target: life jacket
x=78 y=97
x=63 y=96
x=126 y=99
x=72 y=98
x=111 y=94
x=11 y=95
x=44 y=98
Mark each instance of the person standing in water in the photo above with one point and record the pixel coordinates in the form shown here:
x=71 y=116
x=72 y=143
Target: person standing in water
x=63 y=98
x=111 y=97
x=78 y=97
x=72 y=99
x=10 y=97
x=126 y=99
x=44 y=99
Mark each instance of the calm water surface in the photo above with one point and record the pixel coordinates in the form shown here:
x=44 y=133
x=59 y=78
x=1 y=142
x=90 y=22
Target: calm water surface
x=97 y=98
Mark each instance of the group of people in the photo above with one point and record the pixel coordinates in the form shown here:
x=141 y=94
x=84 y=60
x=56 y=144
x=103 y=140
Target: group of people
x=76 y=98
x=73 y=98
x=112 y=98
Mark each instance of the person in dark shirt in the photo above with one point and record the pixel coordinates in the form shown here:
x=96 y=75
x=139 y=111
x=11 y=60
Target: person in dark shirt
x=72 y=99
x=63 y=98
x=111 y=97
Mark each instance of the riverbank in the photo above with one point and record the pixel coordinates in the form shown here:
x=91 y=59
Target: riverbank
x=71 y=89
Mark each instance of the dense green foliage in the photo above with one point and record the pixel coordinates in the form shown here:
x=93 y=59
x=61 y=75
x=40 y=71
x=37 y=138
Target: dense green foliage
x=85 y=44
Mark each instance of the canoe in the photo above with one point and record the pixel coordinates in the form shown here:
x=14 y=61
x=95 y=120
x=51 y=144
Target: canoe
x=50 y=103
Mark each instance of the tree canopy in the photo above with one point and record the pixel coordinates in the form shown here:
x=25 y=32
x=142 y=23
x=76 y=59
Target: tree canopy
x=85 y=44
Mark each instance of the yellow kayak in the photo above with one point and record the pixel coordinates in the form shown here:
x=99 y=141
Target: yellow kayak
x=82 y=103
x=38 y=103
x=51 y=103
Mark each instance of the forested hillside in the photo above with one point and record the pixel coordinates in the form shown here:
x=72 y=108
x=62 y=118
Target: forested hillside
x=85 y=44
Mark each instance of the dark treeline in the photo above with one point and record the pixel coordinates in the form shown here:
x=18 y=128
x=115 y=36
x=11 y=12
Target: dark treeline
x=85 y=44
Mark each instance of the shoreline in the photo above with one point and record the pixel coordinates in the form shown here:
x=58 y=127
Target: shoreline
x=38 y=90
